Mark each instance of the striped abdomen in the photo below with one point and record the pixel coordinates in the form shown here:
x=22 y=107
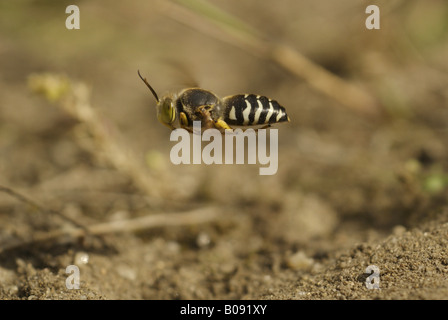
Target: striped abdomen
x=251 y=110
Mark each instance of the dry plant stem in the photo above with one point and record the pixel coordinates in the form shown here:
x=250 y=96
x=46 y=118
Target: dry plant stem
x=156 y=220
x=33 y=204
x=286 y=57
x=324 y=81
x=106 y=141
x=138 y=224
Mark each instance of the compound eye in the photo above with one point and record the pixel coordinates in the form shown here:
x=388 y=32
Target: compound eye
x=166 y=112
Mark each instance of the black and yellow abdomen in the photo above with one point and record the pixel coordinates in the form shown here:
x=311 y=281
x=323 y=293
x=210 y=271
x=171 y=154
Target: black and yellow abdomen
x=252 y=110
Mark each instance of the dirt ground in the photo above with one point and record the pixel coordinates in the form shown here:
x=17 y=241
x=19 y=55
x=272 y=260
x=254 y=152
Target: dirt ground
x=353 y=189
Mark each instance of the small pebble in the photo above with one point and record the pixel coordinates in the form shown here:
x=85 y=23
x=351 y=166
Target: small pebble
x=299 y=261
x=203 y=240
x=81 y=258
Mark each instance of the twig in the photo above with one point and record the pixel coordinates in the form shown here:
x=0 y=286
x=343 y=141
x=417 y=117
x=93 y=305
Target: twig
x=74 y=98
x=38 y=207
x=214 y=22
x=324 y=81
x=151 y=221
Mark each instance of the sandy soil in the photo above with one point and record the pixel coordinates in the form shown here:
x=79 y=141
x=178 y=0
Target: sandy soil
x=352 y=189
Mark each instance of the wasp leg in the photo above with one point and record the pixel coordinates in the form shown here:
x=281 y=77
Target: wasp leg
x=222 y=125
x=184 y=122
x=264 y=127
x=204 y=112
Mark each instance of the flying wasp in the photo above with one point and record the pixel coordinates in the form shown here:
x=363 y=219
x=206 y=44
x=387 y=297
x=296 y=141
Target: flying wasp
x=195 y=104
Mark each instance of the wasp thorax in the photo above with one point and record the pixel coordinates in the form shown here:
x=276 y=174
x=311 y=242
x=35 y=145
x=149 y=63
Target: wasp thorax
x=166 y=111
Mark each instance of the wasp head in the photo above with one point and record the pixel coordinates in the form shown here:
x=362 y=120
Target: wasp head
x=166 y=112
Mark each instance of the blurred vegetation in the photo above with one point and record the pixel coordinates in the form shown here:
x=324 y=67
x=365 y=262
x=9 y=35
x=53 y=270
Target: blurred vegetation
x=364 y=156
x=364 y=103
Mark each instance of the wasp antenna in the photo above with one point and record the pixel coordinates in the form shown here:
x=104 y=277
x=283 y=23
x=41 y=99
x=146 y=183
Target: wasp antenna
x=149 y=86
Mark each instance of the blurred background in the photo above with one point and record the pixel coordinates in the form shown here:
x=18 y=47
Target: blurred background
x=365 y=152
